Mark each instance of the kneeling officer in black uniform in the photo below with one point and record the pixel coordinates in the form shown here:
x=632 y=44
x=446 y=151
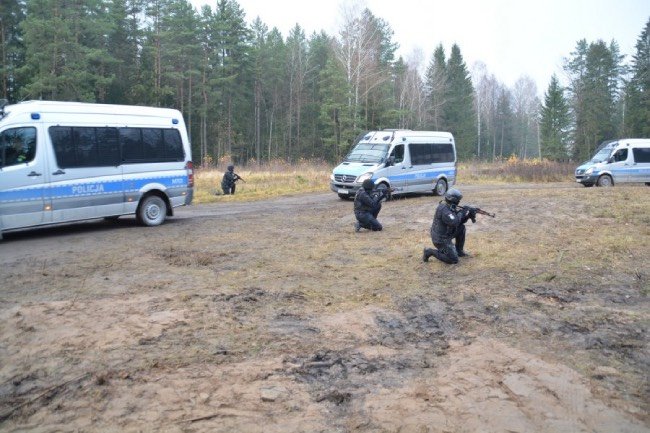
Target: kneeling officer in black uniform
x=449 y=223
x=367 y=204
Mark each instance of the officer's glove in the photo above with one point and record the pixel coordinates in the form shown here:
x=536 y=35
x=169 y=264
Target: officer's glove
x=472 y=214
x=462 y=216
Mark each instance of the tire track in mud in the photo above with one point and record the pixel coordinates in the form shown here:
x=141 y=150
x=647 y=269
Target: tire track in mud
x=413 y=337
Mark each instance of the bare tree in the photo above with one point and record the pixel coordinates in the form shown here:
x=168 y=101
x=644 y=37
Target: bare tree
x=487 y=95
x=526 y=105
x=412 y=96
x=358 y=51
x=297 y=70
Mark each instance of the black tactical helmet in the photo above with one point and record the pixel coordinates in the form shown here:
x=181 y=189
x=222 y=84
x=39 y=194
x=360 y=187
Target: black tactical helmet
x=368 y=185
x=231 y=167
x=453 y=196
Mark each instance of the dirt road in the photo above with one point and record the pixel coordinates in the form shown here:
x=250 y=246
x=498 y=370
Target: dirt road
x=274 y=316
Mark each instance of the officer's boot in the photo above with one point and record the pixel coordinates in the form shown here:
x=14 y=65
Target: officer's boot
x=426 y=253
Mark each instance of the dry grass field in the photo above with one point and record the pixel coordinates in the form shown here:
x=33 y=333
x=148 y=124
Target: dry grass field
x=274 y=316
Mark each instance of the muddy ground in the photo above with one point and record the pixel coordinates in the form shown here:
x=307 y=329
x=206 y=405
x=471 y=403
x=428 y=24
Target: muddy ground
x=275 y=316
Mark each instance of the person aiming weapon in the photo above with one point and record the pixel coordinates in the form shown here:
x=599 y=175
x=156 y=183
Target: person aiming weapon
x=473 y=211
x=448 y=228
x=229 y=180
x=382 y=192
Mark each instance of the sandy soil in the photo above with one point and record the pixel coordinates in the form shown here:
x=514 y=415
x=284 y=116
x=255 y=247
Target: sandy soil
x=275 y=316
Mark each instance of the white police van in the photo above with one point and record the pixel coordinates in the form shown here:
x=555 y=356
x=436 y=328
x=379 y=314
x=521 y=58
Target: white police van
x=69 y=161
x=408 y=161
x=619 y=161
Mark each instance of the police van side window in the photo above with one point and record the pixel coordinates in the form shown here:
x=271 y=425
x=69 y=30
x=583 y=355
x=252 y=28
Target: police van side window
x=173 y=144
x=420 y=153
x=430 y=153
x=620 y=155
x=398 y=153
x=641 y=154
x=443 y=152
x=17 y=146
x=85 y=146
x=151 y=145
x=105 y=146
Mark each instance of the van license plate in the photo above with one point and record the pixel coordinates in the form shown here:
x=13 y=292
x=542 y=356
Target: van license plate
x=343 y=191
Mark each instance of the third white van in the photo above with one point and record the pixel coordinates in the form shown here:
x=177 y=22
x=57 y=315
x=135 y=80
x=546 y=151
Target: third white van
x=619 y=161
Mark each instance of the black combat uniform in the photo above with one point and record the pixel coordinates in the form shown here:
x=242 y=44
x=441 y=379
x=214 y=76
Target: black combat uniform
x=367 y=205
x=448 y=224
x=228 y=181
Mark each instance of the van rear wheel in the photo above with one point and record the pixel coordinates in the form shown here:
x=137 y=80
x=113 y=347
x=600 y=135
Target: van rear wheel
x=441 y=187
x=152 y=211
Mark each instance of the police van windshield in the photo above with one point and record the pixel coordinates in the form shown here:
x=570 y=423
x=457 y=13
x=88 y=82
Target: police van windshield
x=368 y=152
x=602 y=155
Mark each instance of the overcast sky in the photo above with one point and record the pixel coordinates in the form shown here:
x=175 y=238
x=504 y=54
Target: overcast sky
x=511 y=37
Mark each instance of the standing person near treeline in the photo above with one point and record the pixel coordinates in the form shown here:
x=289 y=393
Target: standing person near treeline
x=229 y=179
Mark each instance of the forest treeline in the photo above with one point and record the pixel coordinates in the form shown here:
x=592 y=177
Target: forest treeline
x=250 y=94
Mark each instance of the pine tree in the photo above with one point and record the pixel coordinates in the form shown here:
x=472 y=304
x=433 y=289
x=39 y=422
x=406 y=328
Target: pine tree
x=555 y=123
x=458 y=113
x=66 y=50
x=229 y=75
x=637 y=115
x=335 y=119
x=124 y=40
x=296 y=72
x=436 y=88
x=319 y=53
x=595 y=71
x=12 y=48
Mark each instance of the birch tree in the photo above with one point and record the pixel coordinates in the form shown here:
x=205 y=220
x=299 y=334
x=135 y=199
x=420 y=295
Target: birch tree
x=526 y=111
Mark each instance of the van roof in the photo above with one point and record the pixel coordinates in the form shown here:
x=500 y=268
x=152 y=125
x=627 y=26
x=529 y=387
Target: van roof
x=390 y=135
x=634 y=141
x=88 y=108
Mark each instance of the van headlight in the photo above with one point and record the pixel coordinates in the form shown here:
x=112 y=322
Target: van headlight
x=332 y=177
x=589 y=171
x=364 y=176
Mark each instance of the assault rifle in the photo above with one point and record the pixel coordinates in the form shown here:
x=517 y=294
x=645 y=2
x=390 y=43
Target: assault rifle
x=383 y=192
x=238 y=177
x=473 y=211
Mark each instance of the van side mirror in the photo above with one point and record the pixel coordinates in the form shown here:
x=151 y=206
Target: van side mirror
x=390 y=161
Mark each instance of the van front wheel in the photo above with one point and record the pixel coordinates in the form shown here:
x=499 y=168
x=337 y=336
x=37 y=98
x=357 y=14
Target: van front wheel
x=152 y=211
x=441 y=187
x=605 y=180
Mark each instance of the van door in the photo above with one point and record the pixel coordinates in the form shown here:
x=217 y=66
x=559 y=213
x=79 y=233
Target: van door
x=23 y=178
x=424 y=171
x=640 y=164
x=397 y=171
x=431 y=161
x=86 y=173
x=619 y=166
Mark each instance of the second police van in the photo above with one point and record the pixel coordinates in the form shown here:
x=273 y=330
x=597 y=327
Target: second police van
x=618 y=161
x=69 y=161
x=408 y=161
